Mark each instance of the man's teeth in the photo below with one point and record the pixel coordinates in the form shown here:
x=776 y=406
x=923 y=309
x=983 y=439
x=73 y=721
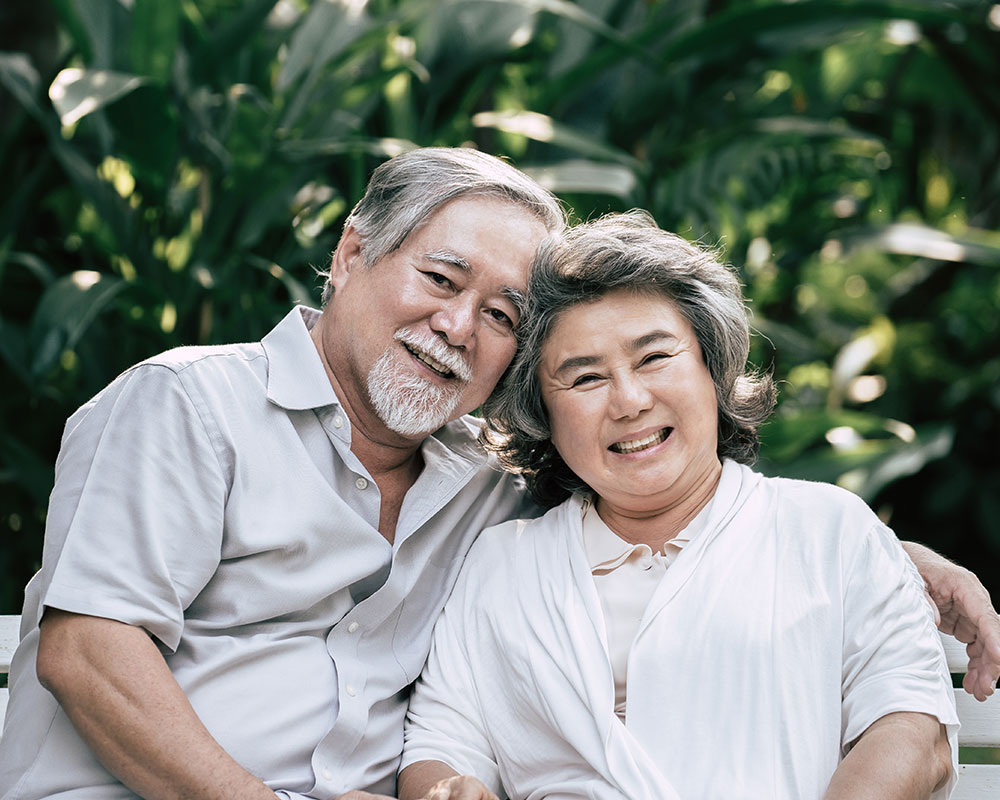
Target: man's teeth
x=437 y=366
x=640 y=444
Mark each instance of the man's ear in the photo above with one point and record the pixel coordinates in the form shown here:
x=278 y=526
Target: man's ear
x=346 y=258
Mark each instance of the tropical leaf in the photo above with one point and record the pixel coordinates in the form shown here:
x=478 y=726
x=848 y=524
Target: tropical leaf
x=65 y=311
x=77 y=92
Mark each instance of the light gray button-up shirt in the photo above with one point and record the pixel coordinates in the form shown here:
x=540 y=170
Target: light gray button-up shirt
x=210 y=496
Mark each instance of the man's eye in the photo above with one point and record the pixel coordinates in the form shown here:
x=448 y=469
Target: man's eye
x=439 y=279
x=654 y=357
x=501 y=316
x=583 y=380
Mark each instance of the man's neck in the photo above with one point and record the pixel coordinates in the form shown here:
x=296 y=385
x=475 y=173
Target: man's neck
x=394 y=462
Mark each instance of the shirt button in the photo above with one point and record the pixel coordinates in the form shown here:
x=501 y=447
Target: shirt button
x=338 y=421
x=350 y=691
x=352 y=627
x=327 y=775
x=361 y=483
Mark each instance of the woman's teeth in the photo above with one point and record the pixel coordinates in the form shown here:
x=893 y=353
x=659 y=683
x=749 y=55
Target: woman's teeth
x=640 y=444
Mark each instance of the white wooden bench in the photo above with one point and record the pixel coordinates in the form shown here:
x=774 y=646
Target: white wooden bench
x=8 y=641
x=980 y=728
x=980 y=721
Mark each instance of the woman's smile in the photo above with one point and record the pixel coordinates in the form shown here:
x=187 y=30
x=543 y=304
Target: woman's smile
x=641 y=444
x=632 y=405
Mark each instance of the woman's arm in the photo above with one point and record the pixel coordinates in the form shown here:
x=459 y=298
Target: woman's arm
x=965 y=611
x=432 y=780
x=902 y=756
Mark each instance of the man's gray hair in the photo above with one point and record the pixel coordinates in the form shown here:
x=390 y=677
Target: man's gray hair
x=404 y=191
x=625 y=252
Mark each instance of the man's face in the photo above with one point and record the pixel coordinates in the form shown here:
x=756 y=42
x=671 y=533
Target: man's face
x=426 y=333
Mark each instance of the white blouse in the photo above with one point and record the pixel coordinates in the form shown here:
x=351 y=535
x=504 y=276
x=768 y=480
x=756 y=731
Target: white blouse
x=626 y=575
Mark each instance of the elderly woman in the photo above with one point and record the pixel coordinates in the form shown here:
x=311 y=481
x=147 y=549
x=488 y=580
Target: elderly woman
x=677 y=625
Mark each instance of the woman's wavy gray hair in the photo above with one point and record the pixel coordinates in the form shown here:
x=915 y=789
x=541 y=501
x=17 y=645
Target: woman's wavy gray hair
x=614 y=253
x=404 y=191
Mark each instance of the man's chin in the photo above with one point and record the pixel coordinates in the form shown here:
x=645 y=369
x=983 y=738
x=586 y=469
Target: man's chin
x=407 y=419
x=409 y=405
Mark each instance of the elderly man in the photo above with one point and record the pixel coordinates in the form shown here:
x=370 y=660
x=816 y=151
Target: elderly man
x=247 y=546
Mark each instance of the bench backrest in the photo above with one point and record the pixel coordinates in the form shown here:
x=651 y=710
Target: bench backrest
x=980 y=721
x=8 y=641
x=980 y=728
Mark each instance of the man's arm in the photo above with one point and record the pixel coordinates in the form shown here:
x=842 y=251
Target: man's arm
x=118 y=692
x=965 y=612
x=433 y=780
x=902 y=756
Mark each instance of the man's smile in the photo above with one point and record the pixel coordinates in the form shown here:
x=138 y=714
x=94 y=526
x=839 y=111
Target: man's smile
x=434 y=354
x=435 y=365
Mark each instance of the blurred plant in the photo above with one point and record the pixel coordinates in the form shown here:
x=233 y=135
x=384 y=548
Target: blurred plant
x=177 y=169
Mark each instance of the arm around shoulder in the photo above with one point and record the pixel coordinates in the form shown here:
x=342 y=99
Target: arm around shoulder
x=966 y=612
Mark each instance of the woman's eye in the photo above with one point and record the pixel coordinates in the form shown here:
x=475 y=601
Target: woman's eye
x=583 y=380
x=654 y=357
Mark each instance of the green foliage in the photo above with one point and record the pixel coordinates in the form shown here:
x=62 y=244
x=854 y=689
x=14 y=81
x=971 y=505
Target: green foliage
x=177 y=170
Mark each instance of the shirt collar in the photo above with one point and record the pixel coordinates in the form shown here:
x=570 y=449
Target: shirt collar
x=296 y=378
x=606 y=550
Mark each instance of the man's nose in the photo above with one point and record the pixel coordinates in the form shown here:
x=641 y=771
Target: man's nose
x=456 y=322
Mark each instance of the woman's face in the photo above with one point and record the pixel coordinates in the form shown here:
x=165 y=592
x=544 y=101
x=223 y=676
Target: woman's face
x=632 y=405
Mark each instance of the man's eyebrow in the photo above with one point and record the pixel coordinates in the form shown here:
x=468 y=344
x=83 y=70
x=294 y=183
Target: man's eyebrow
x=517 y=297
x=447 y=257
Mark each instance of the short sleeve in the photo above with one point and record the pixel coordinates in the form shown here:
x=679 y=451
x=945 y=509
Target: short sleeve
x=136 y=516
x=893 y=659
x=444 y=722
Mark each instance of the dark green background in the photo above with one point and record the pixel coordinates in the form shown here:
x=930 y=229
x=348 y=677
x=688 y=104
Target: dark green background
x=174 y=172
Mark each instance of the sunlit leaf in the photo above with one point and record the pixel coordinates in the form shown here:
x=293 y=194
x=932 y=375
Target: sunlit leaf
x=914 y=239
x=786 y=435
x=587 y=177
x=814 y=127
x=870 y=466
x=77 y=92
x=307 y=148
x=543 y=128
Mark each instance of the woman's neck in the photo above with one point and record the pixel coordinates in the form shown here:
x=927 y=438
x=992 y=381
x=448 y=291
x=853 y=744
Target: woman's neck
x=656 y=524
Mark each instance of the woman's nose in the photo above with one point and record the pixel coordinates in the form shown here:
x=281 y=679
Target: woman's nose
x=630 y=397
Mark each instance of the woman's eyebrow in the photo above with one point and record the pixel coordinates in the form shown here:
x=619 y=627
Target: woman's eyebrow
x=576 y=361
x=638 y=343
x=650 y=338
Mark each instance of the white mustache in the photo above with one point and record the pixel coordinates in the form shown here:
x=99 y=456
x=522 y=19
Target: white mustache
x=431 y=345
